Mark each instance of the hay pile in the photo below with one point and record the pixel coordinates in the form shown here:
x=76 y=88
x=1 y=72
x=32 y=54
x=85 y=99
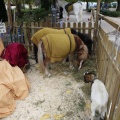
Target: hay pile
x=63 y=96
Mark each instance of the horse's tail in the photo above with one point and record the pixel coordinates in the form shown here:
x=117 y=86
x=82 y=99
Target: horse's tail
x=40 y=57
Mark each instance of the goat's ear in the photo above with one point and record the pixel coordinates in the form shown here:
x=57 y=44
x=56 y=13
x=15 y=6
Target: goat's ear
x=85 y=73
x=93 y=76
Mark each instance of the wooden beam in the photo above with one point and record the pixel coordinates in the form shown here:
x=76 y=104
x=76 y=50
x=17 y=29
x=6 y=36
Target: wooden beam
x=97 y=13
x=111 y=22
x=9 y=14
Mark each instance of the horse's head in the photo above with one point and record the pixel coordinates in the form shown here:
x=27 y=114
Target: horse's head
x=82 y=53
x=81 y=50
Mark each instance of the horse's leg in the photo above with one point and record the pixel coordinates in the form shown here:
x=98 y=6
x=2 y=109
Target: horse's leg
x=77 y=17
x=46 y=64
x=40 y=57
x=76 y=11
x=64 y=60
x=35 y=52
x=71 y=61
x=77 y=8
x=80 y=65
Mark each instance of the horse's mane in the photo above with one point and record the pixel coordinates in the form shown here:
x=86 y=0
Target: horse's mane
x=78 y=42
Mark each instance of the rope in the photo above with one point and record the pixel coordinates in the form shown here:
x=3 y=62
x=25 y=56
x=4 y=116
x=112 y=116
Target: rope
x=70 y=43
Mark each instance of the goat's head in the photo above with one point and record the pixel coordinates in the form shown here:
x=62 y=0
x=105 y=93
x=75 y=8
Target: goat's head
x=89 y=77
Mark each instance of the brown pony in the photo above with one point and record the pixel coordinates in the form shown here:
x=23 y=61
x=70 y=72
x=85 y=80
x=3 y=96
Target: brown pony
x=55 y=48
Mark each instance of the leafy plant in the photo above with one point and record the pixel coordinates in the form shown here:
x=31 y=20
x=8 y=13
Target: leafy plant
x=33 y=15
x=110 y=13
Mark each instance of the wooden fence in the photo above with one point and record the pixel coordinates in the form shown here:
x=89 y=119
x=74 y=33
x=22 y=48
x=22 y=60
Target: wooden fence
x=108 y=59
x=30 y=28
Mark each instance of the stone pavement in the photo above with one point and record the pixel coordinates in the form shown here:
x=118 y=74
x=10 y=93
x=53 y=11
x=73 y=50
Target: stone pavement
x=86 y=15
x=113 y=34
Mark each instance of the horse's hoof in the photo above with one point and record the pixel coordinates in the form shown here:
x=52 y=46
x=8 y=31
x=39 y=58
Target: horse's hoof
x=79 y=68
x=49 y=75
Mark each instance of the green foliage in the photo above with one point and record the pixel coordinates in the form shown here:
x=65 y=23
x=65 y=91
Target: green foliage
x=45 y=4
x=33 y=15
x=27 y=1
x=81 y=105
x=111 y=13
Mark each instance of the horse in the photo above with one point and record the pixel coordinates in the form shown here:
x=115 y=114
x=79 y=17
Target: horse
x=76 y=7
x=56 y=47
x=42 y=32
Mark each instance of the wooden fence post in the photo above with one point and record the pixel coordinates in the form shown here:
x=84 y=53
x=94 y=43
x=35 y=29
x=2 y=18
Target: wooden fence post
x=25 y=34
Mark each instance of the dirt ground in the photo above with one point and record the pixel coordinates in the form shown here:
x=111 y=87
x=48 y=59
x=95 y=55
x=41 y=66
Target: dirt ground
x=63 y=96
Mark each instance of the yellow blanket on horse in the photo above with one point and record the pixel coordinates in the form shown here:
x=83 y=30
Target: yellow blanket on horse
x=57 y=47
x=38 y=35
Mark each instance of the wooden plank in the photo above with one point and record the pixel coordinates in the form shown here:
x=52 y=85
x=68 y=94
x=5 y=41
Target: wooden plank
x=90 y=30
x=49 y=24
x=58 y=26
x=117 y=111
x=84 y=26
x=74 y=25
x=29 y=36
x=32 y=30
x=36 y=25
x=111 y=22
x=117 y=89
x=68 y=25
x=117 y=63
x=25 y=31
x=63 y=25
x=79 y=26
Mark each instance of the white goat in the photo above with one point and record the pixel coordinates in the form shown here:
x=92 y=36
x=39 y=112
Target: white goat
x=99 y=98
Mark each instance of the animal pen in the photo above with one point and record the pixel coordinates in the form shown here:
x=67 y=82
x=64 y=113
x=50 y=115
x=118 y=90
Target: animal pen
x=108 y=55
